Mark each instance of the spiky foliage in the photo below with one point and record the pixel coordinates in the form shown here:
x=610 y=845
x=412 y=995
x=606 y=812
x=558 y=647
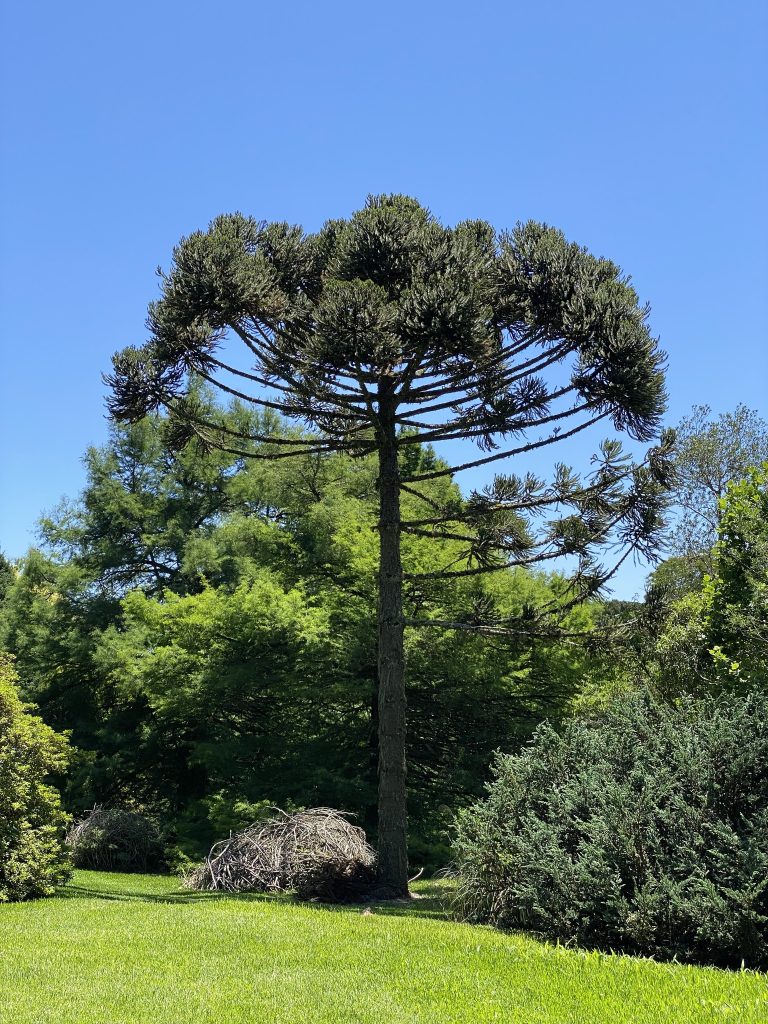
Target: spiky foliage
x=390 y=330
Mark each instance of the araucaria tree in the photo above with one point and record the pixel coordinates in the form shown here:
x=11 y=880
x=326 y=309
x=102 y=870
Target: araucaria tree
x=389 y=330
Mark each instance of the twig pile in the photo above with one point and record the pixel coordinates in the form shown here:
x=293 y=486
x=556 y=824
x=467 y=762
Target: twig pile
x=115 y=839
x=317 y=853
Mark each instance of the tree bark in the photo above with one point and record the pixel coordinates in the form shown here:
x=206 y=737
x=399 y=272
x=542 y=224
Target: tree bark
x=393 y=820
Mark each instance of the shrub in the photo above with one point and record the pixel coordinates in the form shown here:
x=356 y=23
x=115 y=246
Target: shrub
x=115 y=839
x=644 y=828
x=33 y=858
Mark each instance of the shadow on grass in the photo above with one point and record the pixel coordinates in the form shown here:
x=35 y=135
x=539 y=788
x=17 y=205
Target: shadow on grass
x=120 y=895
x=433 y=900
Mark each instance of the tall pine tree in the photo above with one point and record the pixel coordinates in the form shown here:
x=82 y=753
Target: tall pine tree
x=390 y=330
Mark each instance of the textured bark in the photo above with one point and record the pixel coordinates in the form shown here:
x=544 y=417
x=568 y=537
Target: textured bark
x=393 y=821
x=371 y=814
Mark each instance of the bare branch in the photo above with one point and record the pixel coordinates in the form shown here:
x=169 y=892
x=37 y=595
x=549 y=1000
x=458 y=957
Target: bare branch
x=510 y=452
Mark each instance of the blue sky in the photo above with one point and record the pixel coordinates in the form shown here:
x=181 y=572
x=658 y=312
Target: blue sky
x=639 y=129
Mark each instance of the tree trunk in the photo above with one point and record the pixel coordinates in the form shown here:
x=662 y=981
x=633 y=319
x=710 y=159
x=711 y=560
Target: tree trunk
x=393 y=822
x=370 y=818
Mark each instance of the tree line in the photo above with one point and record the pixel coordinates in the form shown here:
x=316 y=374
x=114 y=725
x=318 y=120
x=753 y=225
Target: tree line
x=230 y=607
x=205 y=628
x=203 y=625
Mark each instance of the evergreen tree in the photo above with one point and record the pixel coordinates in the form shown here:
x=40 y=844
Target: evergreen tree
x=130 y=526
x=7 y=576
x=388 y=331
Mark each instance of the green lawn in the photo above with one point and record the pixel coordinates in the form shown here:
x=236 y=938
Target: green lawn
x=113 y=949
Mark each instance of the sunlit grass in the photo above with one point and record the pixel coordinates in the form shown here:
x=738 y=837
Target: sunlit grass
x=113 y=949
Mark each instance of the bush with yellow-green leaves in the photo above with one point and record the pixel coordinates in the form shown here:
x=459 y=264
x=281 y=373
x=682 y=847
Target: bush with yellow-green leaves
x=33 y=859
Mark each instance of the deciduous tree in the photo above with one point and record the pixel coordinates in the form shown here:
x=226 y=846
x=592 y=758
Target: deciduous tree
x=710 y=454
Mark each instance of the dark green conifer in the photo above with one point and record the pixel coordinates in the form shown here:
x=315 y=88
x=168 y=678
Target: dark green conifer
x=389 y=330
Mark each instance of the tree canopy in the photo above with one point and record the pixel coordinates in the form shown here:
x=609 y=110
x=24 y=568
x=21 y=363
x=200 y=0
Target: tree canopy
x=447 y=332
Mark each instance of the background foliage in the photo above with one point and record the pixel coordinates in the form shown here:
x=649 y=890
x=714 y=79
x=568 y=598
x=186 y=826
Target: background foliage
x=205 y=629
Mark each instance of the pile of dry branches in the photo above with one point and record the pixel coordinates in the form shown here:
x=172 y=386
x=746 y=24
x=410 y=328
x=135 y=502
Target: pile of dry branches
x=115 y=839
x=317 y=853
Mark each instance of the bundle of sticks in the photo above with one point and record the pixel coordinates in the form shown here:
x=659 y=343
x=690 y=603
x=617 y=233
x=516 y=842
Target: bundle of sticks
x=316 y=853
x=115 y=839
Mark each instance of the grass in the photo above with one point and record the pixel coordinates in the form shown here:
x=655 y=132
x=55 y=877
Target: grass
x=135 y=949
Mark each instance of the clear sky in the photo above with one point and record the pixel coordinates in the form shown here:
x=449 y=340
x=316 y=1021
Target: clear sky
x=639 y=129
